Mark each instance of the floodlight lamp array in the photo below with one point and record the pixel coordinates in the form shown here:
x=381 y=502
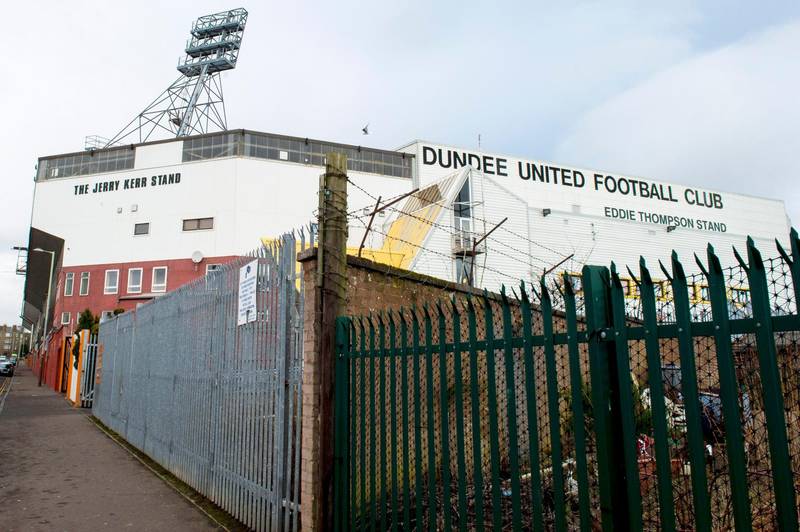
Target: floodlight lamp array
x=214 y=43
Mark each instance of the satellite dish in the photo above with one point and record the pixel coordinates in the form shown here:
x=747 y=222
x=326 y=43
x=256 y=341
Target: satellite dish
x=197 y=257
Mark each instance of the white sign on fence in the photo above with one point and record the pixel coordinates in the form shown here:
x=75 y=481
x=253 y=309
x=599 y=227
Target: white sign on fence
x=248 y=282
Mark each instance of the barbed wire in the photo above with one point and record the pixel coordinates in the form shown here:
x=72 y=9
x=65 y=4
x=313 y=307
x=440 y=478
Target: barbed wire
x=477 y=218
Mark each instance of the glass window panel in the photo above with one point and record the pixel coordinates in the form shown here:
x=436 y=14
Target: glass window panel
x=84 y=288
x=159 y=283
x=69 y=281
x=135 y=280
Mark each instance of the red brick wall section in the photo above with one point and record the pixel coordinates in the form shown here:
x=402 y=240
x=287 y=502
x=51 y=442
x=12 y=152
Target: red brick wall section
x=179 y=272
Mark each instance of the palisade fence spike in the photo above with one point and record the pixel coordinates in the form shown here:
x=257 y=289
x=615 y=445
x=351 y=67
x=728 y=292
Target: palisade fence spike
x=615 y=280
x=454 y=305
x=754 y=256
x=545 y=292
x=701 y=265
x=470 y=306
x=514 y=292
x=535 y=292
x=439 y=308
x=523 y=293
x=633 y=276
x=646 y=279
x=739 y=258
x=664 y=270
x=714 y=264
x=558 y=288
x=425 y=312
x=568 y=288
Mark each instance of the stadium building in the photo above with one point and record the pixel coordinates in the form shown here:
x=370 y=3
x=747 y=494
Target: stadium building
x=131 y=218
x=130 y=223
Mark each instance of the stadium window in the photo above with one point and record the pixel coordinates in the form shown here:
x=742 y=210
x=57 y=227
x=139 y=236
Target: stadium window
x=198 y=224
x=135 y=281
x=84 y=288
x=69 y=281
x=141 y=229
x=703 y=294
x=112 y=282
x=740 y=296
x=159 y=279
x=65 y=318
x=212 y=268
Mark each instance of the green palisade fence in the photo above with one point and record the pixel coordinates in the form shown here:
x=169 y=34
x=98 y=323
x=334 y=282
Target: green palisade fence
x=607 y=401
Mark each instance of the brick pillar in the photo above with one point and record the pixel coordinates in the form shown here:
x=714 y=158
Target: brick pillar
x=326 y=285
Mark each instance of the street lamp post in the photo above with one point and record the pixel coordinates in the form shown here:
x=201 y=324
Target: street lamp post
x=46 y=307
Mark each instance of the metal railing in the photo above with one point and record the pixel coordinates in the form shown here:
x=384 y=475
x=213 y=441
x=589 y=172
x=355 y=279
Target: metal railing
x=216 y=403
x=568 y=411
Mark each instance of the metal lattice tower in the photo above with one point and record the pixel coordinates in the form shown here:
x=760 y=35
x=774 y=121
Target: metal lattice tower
x=193 y=103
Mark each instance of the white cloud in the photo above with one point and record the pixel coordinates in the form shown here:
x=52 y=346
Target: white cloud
x=727 y=119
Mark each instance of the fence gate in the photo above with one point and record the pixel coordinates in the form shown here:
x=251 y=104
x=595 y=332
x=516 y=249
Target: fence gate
x=88 y=369
x=609 y=401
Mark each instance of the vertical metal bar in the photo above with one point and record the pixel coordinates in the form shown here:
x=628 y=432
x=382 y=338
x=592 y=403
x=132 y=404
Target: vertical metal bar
x=613 y=506
x=578 y=426
x=382 y=357
x=404 y=392
x=429 y=410
x=691 y=402
x=459 y=419
x=552 y=409
x=417 y=419
x=530 y=404
x=358 y=380
x=373 y=479
x=657 y=404
x=392 y=361
x=477 y=456
x=341 y=424
x=729 y=393
x=511 y=408
x=491 y=381
x=444 y=405
x=782 y=481
x=363 y=440
x=624 y=404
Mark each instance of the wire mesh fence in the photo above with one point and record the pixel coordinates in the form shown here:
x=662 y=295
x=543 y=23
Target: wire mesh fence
x=213 y=396
x=578 y=404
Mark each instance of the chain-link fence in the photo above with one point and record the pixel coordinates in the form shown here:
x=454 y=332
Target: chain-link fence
x=214 y=395
x=661 y=404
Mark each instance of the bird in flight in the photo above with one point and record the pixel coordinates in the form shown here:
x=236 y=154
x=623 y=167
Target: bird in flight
x=365 y=129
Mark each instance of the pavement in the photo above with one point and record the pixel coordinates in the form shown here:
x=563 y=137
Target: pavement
x=58 y=471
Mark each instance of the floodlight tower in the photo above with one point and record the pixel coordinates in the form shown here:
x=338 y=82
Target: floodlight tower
x=193 y=103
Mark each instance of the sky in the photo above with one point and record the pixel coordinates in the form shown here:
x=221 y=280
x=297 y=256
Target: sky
x=700 y=93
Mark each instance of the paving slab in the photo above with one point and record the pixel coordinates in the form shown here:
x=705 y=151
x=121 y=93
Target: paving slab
x=58 y=471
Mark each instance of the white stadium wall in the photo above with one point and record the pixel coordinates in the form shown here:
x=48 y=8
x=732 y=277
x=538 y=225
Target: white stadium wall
x=594 y=223
x=248 y=199
x=251 y=198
